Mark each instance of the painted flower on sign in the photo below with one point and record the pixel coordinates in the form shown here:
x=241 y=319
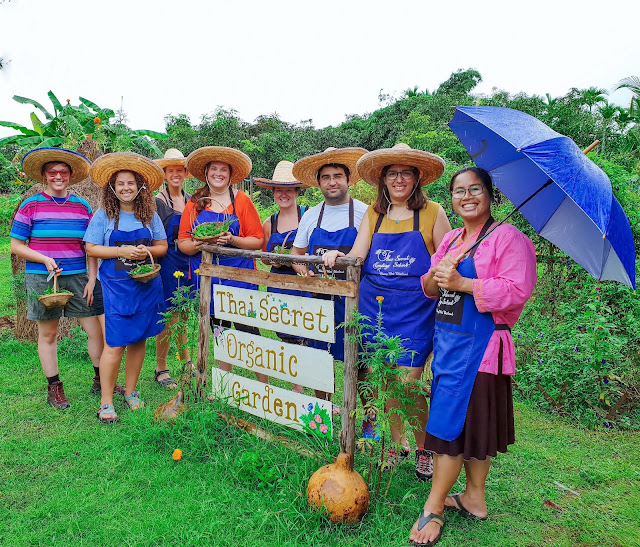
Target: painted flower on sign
x=317 y=421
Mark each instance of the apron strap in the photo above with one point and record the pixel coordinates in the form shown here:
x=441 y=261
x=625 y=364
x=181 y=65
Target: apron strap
x=486 y=226
x=299 y=213
x=320 y=216
x=351 y=213
x=416 y=220
x=378 y=222
x=274 y=223
x=502 y=326
x=233 y=202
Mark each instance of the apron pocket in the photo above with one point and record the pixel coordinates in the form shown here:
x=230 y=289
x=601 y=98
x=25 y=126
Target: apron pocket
x=459 y=352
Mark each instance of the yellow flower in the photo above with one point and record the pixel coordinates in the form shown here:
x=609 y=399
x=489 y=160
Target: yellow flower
x=68 y=101
x=379 y=298
x=197 y=271
x=177 y=454
x=177 y=274
x=96 y=120
x=177 y=356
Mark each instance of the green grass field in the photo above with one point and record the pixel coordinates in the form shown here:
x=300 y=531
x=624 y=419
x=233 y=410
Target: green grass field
x=66 y=479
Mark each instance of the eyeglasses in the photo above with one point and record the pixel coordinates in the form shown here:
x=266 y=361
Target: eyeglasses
x=474 y=190
x=393 y=175
x=64 y=173
x=337 y=177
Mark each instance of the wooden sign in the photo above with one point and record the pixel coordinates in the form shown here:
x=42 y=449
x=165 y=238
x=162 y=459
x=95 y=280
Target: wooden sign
x=297 y=315
x=275 y=404
x=290 y=362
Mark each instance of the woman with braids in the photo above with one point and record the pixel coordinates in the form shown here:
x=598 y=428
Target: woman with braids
x=220 y=168
x=122 y=234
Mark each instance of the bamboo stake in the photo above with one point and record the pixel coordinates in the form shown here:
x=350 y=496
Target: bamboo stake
x=204 y=328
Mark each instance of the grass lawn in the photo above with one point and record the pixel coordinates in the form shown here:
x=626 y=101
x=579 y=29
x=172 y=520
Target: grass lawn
x=66 y=479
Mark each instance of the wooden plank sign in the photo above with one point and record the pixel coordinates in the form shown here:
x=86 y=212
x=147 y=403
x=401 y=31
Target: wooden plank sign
x=297 y=315
x=290 y=362
x=295 y=410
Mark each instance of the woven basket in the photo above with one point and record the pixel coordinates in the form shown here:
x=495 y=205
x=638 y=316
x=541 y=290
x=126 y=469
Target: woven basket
x=145 y=277
x=210 y=239
x=57 y=299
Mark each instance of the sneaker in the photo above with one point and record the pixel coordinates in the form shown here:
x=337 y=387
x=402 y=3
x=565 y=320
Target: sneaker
x=370 y=429
x=56 y=396
x=394 y=457
x=97 y=388
x=424 y=465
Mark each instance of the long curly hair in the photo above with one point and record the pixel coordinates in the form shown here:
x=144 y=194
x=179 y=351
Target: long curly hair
x=143 y=205
x=417 y=199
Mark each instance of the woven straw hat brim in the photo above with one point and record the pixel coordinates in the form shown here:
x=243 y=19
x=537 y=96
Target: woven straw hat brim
x=268 y=183
x=198 y=159
x=430 y=166
x=32 y=163
x=305 y=169
x=175 y=161
x=105 y=166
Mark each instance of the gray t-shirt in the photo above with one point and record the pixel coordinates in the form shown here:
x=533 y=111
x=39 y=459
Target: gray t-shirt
x=335 y=217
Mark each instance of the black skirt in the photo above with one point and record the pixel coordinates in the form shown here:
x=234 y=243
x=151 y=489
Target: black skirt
x=488 y=427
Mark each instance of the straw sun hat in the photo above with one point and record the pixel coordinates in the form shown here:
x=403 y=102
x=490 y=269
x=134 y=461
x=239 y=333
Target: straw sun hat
x=429 y=165
x=198 y=160
x=305 y=169
x=172 y=156
x=282 y=176
x=32 y=163
x=105 y=166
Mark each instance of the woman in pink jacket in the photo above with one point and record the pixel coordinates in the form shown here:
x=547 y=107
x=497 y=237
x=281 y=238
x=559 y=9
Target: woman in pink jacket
x=481 y=291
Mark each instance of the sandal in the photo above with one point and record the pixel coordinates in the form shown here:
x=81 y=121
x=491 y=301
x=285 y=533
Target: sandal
x=169 y=382
x=423 y=520
x=133 y=400
x=461 y=509
x=107 y=409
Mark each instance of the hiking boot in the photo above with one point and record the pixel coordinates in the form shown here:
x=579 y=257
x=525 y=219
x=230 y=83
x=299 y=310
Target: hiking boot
x=370 y=429
x=424 y=465
x=97 y=388
x=394 y=457
x=56 y=396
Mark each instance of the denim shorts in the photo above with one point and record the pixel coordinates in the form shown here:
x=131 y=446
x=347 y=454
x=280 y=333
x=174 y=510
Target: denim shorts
x=36 y=284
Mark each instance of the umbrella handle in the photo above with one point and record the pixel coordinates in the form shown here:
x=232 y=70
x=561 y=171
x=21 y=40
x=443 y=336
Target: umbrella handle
x=591 y=147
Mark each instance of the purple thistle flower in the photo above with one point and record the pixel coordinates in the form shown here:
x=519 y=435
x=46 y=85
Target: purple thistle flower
x=589 y=360
x=580 y=327
x=540 y=335
x=605 y=380
x=604 y=361
x=597 y=288
x=519 y=335
x=607 y=424
x=568 y=262
x=575 y=348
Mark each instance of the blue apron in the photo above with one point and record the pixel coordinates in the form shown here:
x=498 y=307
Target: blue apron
x=236 y=262
x=277 y=239
x=462 y=334
x=174 y=260
x=393 y=269
x=320 y=242
x=132 y=310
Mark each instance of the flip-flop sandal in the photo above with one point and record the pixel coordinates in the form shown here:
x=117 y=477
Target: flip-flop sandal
x=133 y=400
x=107 y=409
x=423 y=520
x=461 y=509
x=168 y=383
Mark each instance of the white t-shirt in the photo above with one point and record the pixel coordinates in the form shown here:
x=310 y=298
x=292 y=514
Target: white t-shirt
x=335 y=217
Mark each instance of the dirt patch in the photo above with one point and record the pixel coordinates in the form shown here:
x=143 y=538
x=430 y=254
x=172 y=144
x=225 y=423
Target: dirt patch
x=7 y=322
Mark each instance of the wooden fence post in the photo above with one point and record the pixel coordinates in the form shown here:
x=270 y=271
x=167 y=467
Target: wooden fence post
x=204 y=327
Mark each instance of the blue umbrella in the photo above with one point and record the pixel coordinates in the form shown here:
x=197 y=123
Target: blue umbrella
x=564 y=195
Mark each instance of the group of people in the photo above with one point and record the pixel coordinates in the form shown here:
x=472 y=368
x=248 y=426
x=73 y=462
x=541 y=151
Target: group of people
x=451 y=293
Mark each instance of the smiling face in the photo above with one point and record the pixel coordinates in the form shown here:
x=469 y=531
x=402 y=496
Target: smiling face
x=472 y=209
x=125 y=186
x=57 y=177
x=400 y=181
x=175 y=175
x=285 y=196
x=218 y=174
x=334 y=185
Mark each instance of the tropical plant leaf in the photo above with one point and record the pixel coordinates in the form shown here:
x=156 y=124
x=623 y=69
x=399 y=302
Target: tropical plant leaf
x=149 y=133
x=51 y=141
x=105 y=115
x=13 y=139
x=93 y=106
x=148 y=144
x=54 y=100
x=73 y=125
x=26 y=100
x=37 y=124
x=24 y=130
x=27 y=141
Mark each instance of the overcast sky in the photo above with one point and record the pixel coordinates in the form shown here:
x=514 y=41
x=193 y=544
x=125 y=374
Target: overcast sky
x=319 y=60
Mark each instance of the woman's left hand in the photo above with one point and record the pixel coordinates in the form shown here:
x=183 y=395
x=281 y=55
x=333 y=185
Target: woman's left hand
x=88 y=291
x=226 y=238
x=329 y=258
